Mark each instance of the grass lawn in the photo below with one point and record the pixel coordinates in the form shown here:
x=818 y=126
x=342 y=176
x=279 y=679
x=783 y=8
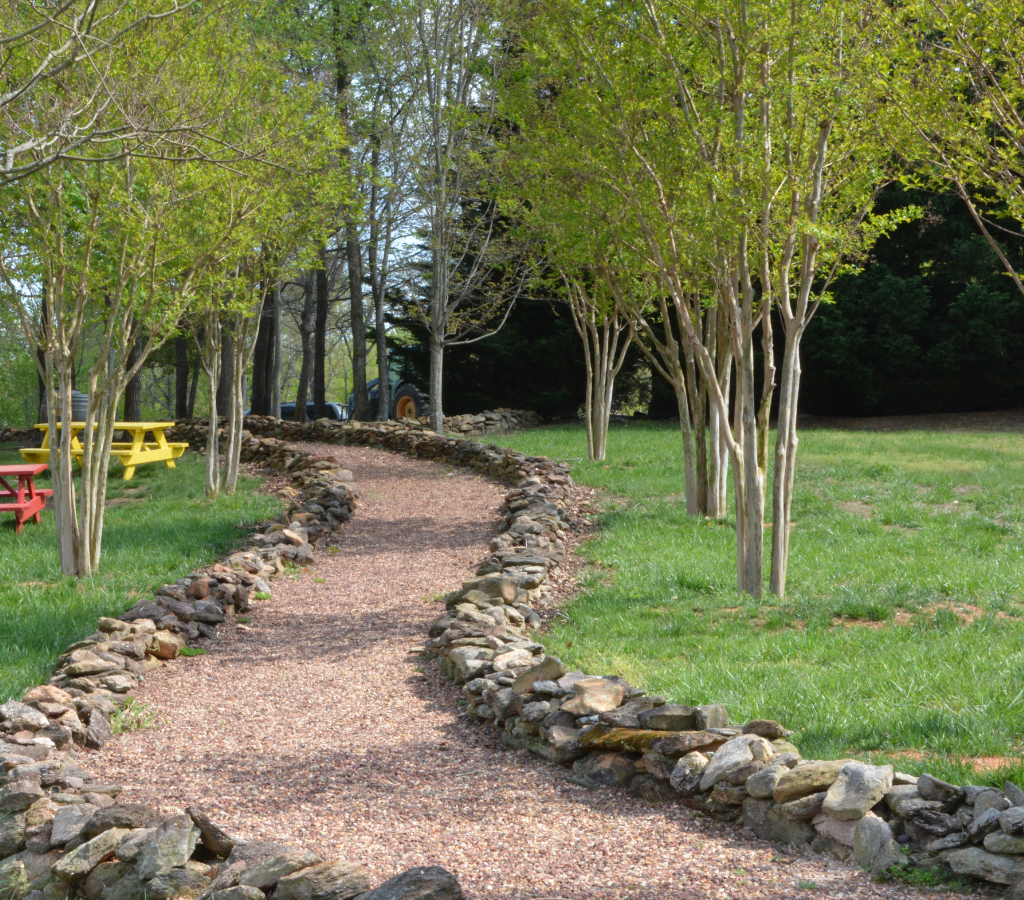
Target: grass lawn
x=903 y=632
x=158 y=527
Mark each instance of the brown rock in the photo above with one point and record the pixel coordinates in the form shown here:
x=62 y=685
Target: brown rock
x=808 y=778
x=766 y=728
x=594 y=695
x=212 y=837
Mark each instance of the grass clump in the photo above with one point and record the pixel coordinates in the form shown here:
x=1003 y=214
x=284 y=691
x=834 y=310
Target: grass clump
x=192 y=651
x=901 y=635
x=159 y=527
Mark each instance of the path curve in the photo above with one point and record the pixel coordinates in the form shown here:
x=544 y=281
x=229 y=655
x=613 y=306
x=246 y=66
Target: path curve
x=319 y=729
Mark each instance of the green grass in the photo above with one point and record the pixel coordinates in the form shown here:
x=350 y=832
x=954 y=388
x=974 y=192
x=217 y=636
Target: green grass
x=911 y=538
x=159 y=527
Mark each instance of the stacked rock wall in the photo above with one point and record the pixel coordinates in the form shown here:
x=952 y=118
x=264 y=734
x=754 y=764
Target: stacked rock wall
x=493 y=421
x=614 y=735
x=63 y=833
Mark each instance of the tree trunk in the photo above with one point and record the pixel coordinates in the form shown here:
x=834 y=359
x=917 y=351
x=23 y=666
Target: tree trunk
x=306 y=332
x=181 y=392
x=361 y=400
x=211 y=355
x=262 y=364
x=133 y=391
x=320 y=341
x=436 y=375
x=275 y=400
x=785 y=461
x=224 y=382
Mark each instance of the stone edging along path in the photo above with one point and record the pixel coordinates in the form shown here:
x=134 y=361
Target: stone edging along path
x=63 y=833
x=616 y=736
x=613 y=735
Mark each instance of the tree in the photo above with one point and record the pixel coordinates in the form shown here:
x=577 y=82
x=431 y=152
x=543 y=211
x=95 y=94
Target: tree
x=955 y=73
x=741 y=139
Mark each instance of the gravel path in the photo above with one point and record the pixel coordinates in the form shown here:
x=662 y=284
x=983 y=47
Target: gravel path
x=317 y=727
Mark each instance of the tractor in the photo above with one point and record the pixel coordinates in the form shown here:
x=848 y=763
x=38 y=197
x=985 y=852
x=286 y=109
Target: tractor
x=407 y=402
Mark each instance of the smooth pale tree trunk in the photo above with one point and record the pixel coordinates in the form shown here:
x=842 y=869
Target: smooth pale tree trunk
x=785 y=461
x=278 y=354
x=436 y=376
x=210 y=356
x=383 y=373
x=605 y=344
x=306 y=333
x=181 y=392
x=320 y=341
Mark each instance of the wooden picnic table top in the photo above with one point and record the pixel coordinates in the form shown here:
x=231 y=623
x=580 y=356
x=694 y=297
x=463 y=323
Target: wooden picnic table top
x=23 y=469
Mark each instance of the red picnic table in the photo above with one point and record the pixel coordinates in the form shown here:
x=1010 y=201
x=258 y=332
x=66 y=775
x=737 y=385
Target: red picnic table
x=28 y=499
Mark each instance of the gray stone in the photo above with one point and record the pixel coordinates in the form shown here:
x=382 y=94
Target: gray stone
x=12 y=834
x=931 y=788
x=1000 y=842
x=838 y=830
x=549 y=669
x=1012 y=820
x=83 y=859
x=535 y=712
x=732 y=754
x=180 y=882
x=687 y=773
x=808 y=778
x=1014 y=794
x=936 y=822
x=506 y=702
x=130 y=887
x=419 y=883
x=874 y=845
x=762 y=784
x=714 y=715
x=239 y=892
x=337 y=880
x=19 y=796
x=98 y=731
x=170 y=846
x=803 y=809
x=607 y=770
x=270 y=871
x=129 y=815
x=670 y=717
x=132 y=843
x=593 y=696
x=856 y=789
x=69 y=821
x=990 y=800
x=764 y=819
x=980 y=863
x=984 y=823
x=99 y=879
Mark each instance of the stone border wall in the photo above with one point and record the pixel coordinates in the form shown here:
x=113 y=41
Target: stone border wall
x=612 y=734
x=63 y=833
x=615 y=735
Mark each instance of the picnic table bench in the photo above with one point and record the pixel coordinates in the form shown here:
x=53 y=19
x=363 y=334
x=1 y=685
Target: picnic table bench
x=27 y=500
x=135 y=452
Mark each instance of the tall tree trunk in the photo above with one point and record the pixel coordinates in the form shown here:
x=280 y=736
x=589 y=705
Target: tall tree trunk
x=181 y=393
x=210 y=342
x=436 y=376
x=262 y=363
x=785 y=461
x=306 y=333
x=275 y=400
x=320 y=341
x=224 y=382
x=133 y=391
x=361 y=404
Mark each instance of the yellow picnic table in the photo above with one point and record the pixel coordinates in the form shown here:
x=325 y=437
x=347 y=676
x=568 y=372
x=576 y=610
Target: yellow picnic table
x=131 y=453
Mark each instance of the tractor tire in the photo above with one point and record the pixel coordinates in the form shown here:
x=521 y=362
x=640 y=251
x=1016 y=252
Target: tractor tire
x=408 y=403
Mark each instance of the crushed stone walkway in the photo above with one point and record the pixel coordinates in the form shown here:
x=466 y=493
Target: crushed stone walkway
x=318 y=728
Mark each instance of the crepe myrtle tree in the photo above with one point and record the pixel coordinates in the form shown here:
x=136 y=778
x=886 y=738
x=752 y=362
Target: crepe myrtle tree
x=744 y=141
